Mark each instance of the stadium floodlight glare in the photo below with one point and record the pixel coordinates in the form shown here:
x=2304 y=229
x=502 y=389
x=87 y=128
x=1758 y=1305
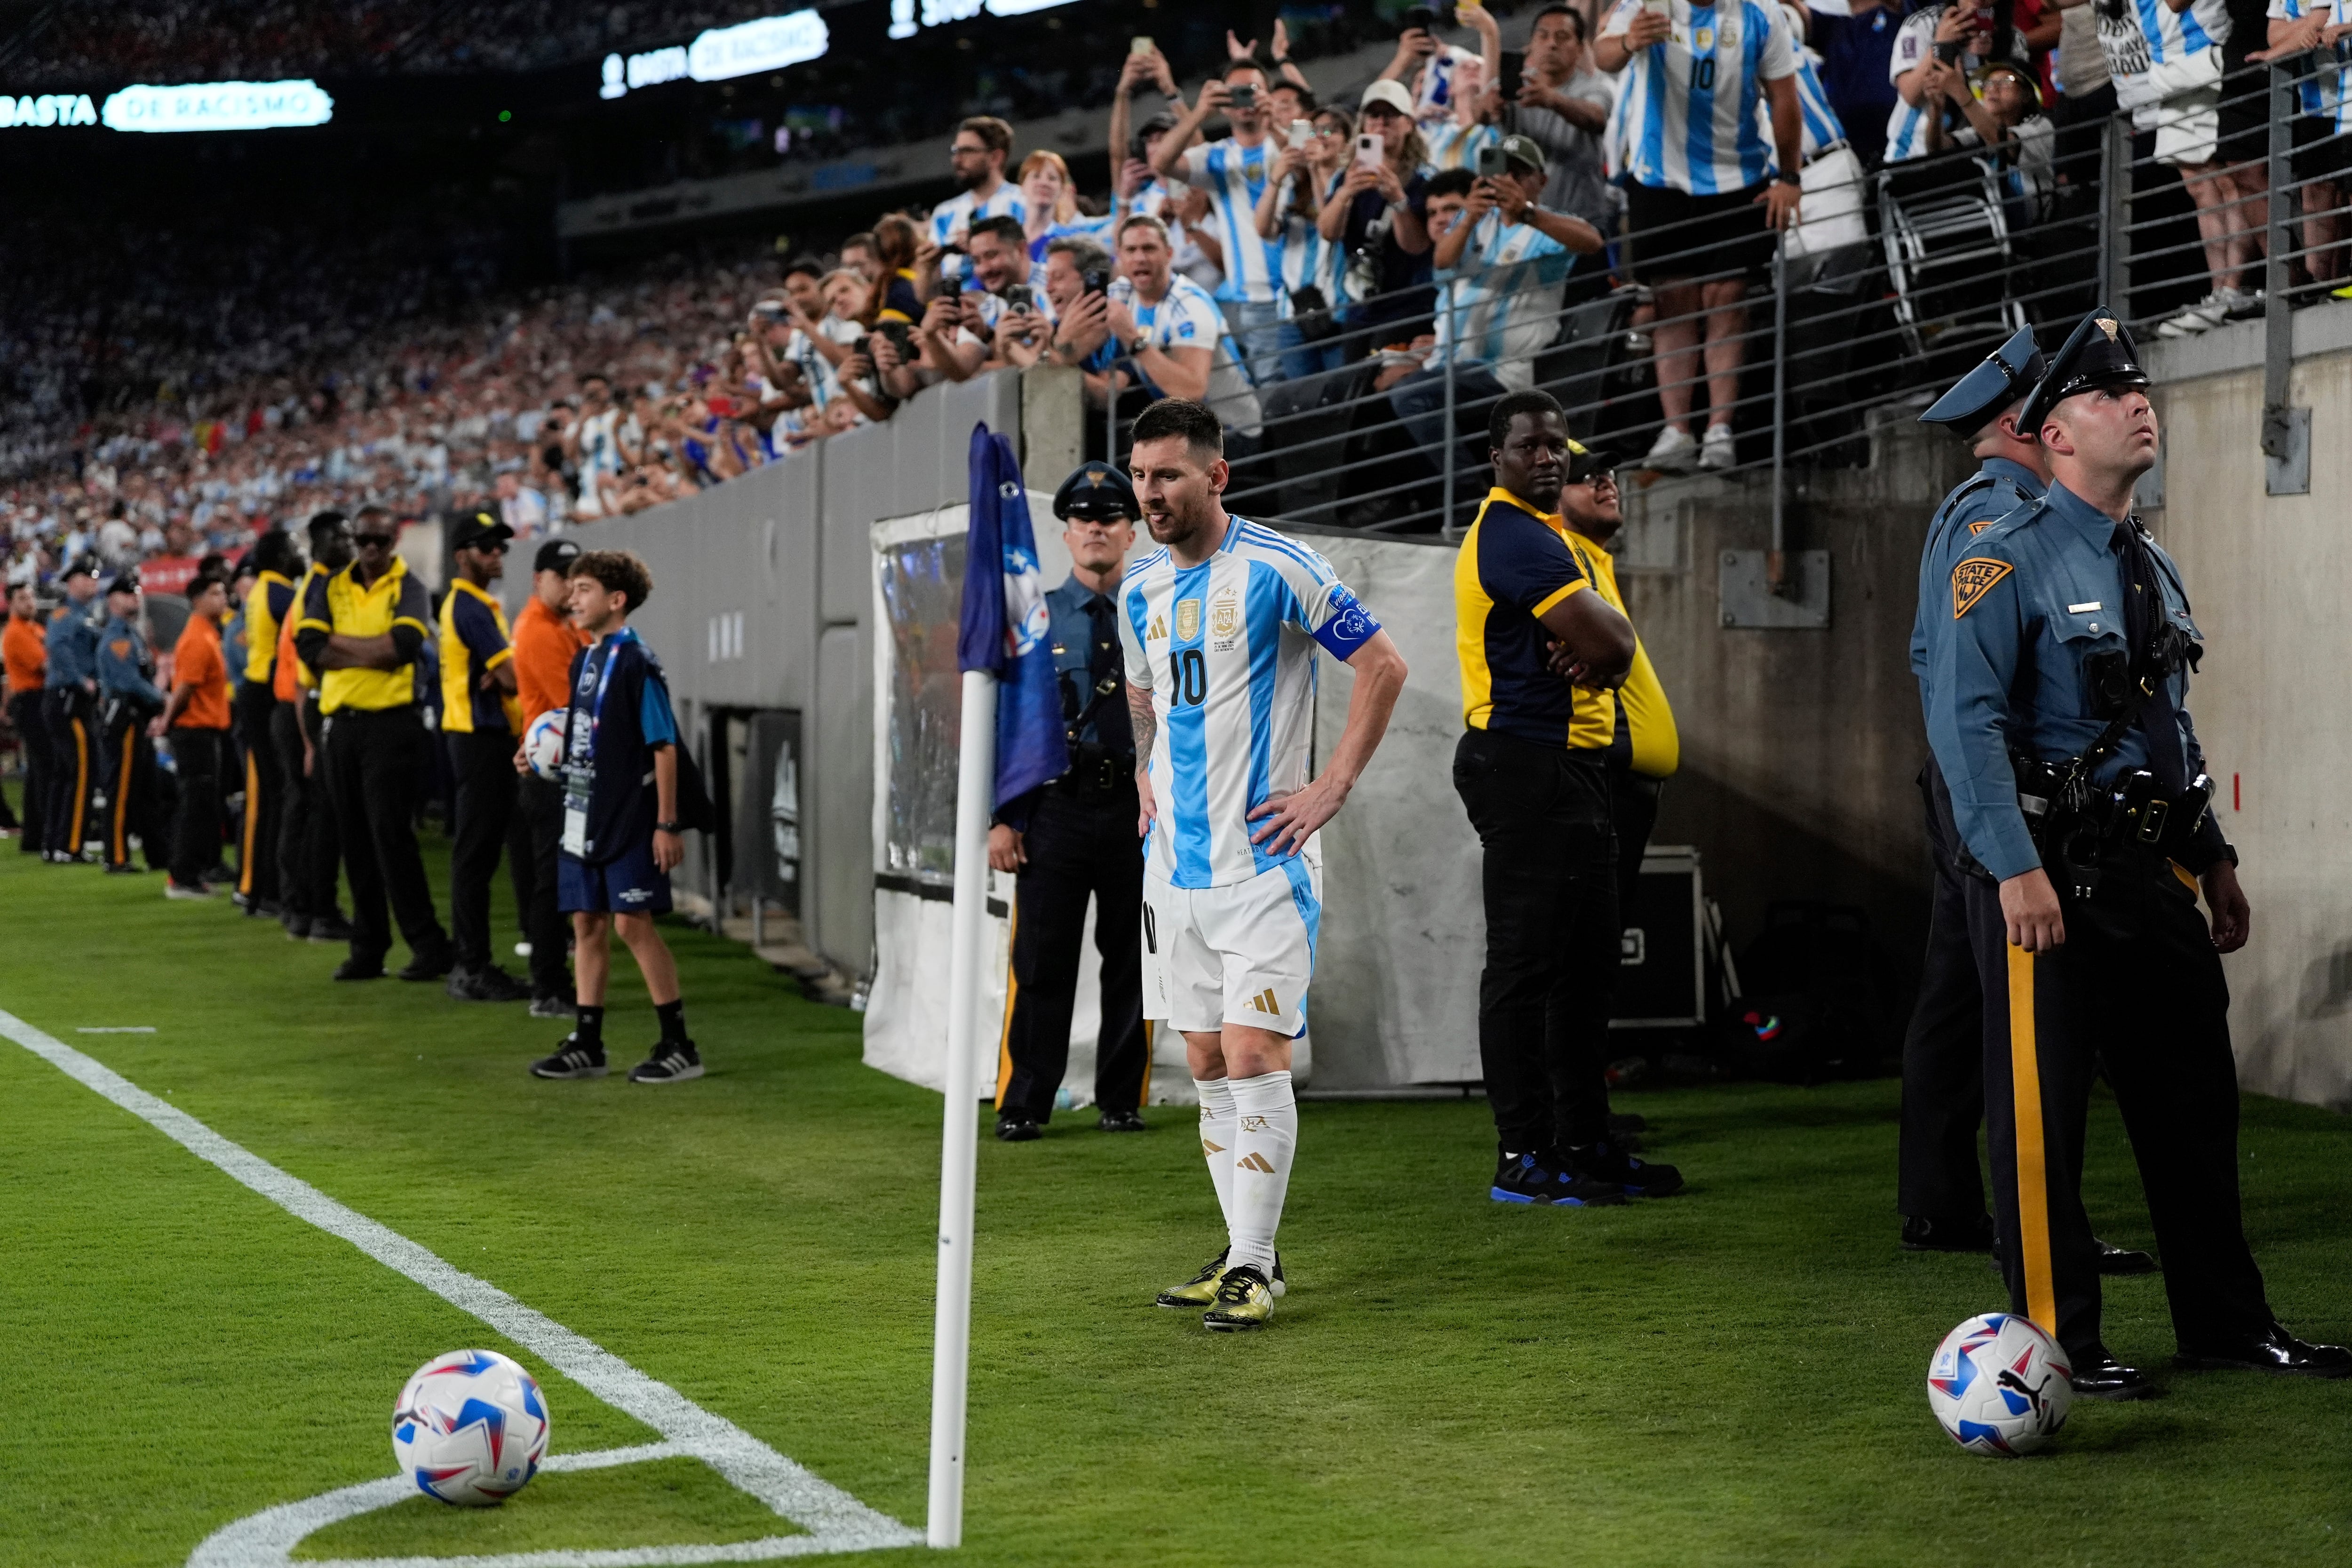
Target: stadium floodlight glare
x=770 y=43
x=219 y=106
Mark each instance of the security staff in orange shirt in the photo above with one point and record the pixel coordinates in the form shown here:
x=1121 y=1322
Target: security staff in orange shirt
x=483 y=724
x=545 y=641
x=196 y=717
x=267 y=604
x=25 y=654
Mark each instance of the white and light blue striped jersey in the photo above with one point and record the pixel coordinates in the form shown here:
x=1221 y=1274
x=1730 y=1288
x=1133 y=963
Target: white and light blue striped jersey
x=1234 y=176
x=1310 y=260
x=1453 y=145
x=963 y=209
x=1186 y=318
x=2174 y=36
x=1690 y=121
x=1227 y=651
x=1503 y=299
x=1819 y=125
x=1153 y=201
x=2324 y=96
x=1907 y=127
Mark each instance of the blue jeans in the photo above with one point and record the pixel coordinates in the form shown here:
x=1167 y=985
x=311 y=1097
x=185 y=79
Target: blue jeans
x=1419 y=403
x=1257 y=330
x=1301 y=359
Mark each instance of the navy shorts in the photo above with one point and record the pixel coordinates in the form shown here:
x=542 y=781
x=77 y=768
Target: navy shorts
x=627 y=884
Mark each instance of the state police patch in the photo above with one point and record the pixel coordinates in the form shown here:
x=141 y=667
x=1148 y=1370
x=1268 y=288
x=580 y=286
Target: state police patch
x=1972 y=579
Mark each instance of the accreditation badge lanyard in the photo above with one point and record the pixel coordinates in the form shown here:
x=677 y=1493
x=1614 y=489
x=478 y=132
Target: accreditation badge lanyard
x=579 y=762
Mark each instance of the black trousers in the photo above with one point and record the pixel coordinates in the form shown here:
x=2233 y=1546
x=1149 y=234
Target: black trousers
x=68 y=718
x=1544 y=818
x=134 y=792
x=531 y=846
x=1944 y=1047
x=2137 y=990
x=375 y=769
x=197 y=757
x=1632 y=812
x=32 y=741
x=309 y=849
x=481 y=812
x=265 y=789
x=1077 y=848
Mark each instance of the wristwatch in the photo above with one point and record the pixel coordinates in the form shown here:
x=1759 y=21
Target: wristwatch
x=667 y=828
x=1796 y=180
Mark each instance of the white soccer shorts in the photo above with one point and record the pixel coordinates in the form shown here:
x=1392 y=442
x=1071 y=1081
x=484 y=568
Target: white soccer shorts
x=2189 y=128
x=1242 y=953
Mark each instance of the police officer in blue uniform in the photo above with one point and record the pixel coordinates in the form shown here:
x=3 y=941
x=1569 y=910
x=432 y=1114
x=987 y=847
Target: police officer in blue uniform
x=1074 y=838
x=2056 y=712
x=128 y=698
x=69 y=712
x=1940 y=1190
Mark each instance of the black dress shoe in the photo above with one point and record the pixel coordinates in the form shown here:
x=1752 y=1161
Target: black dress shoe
x=1017 y=1130
x=2119 y=1260
x=431 y=963
x=2101 y=1376
x=1921 y=1234
x=358 y=968
x=1120 y=1122
x=2273 y=1351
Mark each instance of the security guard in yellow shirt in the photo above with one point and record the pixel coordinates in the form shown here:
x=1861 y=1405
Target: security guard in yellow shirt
x=1532 y=772
x=267 y=605
x=362 y=628
x=483 y=723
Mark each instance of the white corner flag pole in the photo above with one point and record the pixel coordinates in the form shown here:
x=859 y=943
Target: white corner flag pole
x=960 y=1144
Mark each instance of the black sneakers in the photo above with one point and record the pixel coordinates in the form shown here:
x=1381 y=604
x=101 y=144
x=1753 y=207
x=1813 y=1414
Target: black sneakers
x=431 y=963
x=329 y=928
x=358 y=968
x=550 y=1005
x=488 y=983
x=1641 y=1179
x=572 y=1059
x=1015 y=1128
x=1536 y=1179
x=672 y=1062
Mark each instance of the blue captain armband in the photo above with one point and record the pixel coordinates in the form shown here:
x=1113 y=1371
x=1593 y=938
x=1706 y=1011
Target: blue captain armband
x=1350 y=627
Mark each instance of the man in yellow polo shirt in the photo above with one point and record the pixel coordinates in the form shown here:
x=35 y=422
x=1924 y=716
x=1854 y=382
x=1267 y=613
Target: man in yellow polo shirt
x=1532 y=770
x=482 y=722
x=361 y=630
x=268 y=604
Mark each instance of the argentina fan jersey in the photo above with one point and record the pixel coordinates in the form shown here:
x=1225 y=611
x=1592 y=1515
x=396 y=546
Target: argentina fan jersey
x=1234 y=176
x=1689 y=121
x=1227 y=650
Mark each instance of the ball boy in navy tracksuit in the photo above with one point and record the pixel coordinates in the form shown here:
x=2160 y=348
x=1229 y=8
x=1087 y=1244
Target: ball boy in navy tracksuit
x=620 y=835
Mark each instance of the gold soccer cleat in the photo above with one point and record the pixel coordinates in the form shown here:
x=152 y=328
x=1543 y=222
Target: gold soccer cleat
x=1244 y=1300
x=1201 y=1291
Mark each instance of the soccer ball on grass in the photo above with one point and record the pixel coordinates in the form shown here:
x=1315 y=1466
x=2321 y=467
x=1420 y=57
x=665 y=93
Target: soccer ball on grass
x=2001 y=1385
x=470 y=1428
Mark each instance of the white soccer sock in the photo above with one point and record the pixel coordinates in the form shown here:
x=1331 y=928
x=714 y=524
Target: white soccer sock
x=1217 y=1125
x=1262 y=1145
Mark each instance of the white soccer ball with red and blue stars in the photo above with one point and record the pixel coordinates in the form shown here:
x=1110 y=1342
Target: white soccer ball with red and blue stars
x=2001 y=1385
x=542 y=743
x=470 y=1428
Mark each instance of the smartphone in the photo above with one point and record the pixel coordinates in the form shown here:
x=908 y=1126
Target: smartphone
x=1018 y=297
x=1301 y=132
x=1096 y=282
x=951 y=283
x=1369 y=153
x=1513 y=72
x=1491 y=162
x=1244 y=95
x=901 y=336
x=1424 y=17
x=1139 y=45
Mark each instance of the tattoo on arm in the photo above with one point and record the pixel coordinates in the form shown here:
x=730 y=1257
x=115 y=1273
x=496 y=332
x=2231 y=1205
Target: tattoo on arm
x=1145 y=722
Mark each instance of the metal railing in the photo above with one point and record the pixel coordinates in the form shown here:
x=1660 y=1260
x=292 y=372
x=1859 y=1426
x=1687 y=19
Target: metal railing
x=1953 y=252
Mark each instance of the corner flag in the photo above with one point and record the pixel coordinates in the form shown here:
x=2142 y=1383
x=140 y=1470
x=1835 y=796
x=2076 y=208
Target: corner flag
x=1005 y=624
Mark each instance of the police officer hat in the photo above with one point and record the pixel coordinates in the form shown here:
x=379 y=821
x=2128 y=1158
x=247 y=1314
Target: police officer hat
x=80 y=566
x=2007 y=374
x=124 y=582
x=1098 y=491
x=2100 y=352
x=478 y=531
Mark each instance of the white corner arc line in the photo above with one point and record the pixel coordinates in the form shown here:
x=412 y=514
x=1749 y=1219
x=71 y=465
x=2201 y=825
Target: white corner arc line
x=836 y=1522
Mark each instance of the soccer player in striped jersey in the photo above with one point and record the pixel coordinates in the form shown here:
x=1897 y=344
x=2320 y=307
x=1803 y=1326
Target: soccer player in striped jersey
x=1233 y=170
x=1219 y=628
x=1699 y=166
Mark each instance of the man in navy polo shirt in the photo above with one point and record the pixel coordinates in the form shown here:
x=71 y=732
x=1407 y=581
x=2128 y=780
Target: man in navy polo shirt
x=1855 y=49
x=621 y=833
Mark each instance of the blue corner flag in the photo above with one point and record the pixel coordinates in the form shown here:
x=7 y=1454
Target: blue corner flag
x=1005 y=624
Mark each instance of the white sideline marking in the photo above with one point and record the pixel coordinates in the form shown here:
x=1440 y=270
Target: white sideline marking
x=119 y=1029
x=836 y=1522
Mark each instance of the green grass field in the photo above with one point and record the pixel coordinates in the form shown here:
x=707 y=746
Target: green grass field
x=1731 y=1376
